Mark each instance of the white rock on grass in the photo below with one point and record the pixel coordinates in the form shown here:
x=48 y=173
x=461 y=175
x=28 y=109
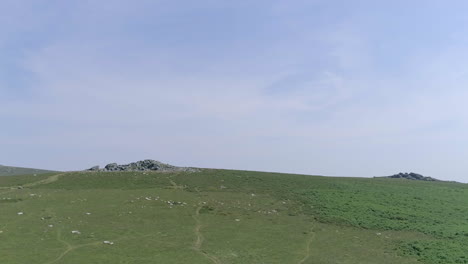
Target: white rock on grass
x=108 y=242
x=20 y=213
x=76 y=232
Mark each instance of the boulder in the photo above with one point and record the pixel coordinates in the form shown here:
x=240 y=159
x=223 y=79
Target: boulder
x=112 y=167
x=95 y=168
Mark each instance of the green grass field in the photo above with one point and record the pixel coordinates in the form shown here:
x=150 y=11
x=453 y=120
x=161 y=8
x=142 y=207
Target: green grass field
x=223 y=216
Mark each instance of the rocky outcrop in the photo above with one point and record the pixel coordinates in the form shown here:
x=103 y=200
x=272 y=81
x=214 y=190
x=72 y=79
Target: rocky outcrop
x=144 y=165
x=412 y=176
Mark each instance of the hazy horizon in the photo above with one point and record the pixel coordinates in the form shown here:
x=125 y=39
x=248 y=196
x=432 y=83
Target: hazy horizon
x=188 y=165
x=338 y=88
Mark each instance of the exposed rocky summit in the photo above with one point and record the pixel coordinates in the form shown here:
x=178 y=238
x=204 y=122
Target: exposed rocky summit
x=144 y=165
x=412 y=176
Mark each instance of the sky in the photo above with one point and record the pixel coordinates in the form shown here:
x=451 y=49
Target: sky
x=339 y=88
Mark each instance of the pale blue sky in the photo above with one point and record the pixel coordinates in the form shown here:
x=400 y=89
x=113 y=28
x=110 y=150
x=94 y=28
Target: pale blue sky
x=342 y=88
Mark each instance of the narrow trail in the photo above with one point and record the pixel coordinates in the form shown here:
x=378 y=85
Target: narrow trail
x=50 y=179
x=69 y=247
x=307 y=248
x=199 y=238
x=175 y=186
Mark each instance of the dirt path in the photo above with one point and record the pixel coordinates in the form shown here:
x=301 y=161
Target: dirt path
x=307 y=247
x=199 y=241
x=50 y=179
x=69 y=247
x=175 y=186
x=199 y=238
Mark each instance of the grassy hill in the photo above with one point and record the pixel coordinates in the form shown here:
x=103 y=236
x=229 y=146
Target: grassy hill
x=223 y=216
x=11 y=171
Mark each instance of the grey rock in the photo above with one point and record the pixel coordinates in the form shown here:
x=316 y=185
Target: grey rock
x=95 y=168
x=412 y=176
x=144 y=165
x=112 y=167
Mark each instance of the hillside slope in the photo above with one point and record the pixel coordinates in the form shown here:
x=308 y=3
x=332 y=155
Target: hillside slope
x=223 y=216
x=11 y=171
